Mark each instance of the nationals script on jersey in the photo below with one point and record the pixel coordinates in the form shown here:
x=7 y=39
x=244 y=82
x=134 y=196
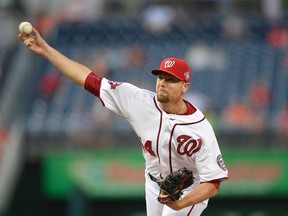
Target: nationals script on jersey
x=169 y=141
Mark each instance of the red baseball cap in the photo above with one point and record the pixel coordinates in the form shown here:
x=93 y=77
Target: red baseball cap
x=176 y=67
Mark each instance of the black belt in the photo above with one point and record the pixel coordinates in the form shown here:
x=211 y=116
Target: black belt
x=154 y=179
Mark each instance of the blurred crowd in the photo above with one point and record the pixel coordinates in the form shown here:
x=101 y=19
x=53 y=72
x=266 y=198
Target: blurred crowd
x=246 y=112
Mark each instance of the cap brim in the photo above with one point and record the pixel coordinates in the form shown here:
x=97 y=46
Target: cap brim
x=157 y=71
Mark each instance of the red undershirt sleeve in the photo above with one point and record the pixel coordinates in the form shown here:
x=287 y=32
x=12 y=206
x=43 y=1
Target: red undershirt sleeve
x=216 y=183
x=93 y=84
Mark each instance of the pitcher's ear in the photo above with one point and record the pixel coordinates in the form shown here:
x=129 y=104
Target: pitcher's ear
x=186 y=87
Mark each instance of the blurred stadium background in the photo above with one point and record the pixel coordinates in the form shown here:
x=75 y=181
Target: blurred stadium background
x=62 y=153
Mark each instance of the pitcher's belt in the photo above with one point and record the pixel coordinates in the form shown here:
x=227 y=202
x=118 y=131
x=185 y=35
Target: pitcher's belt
x=154 y=179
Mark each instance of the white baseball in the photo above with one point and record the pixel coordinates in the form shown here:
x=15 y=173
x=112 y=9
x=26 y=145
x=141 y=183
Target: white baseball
x=25 y=27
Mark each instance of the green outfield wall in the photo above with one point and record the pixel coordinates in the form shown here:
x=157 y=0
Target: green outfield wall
x=120 y=173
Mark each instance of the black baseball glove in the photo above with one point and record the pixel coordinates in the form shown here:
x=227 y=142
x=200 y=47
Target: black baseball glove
x=171 y=187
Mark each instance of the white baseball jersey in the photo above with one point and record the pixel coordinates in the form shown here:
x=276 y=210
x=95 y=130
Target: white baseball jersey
x=169 y=141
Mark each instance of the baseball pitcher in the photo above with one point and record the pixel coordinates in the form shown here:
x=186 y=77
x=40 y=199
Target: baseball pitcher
x=184 y=165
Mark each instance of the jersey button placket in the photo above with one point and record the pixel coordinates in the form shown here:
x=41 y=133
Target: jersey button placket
x=164 y=145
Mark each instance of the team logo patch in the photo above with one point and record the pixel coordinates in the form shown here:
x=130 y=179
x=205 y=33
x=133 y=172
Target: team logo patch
x=169 y=63
x=187 y=145
x=187 y=75
x=220 y=163
x=114 y=84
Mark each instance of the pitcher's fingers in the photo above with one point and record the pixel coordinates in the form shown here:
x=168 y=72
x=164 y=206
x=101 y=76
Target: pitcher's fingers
x=22 y=37
x=28 y=41
x=37 y=34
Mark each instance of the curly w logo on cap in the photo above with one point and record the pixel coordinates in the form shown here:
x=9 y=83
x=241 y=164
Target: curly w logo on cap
x=168 y=63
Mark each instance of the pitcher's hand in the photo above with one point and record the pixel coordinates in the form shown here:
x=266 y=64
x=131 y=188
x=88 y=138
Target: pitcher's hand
x=34 y=42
